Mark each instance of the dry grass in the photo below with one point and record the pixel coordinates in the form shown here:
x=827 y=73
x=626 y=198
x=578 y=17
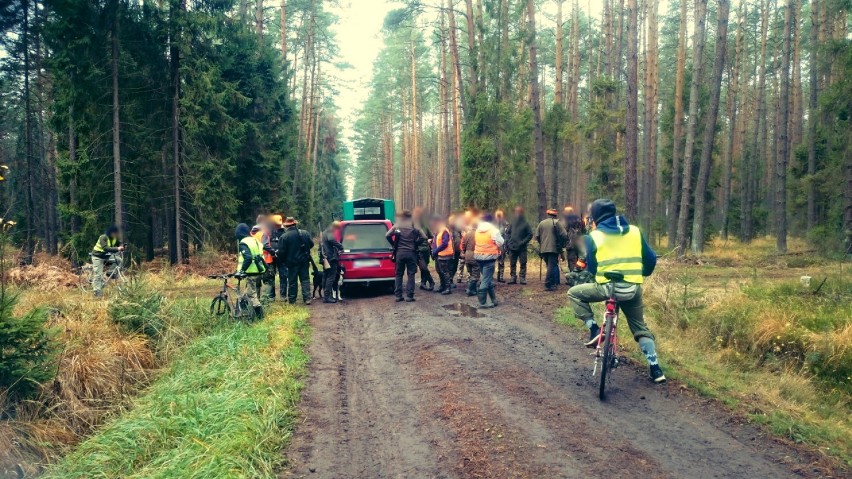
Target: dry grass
x=761 y=341
x=100 y=367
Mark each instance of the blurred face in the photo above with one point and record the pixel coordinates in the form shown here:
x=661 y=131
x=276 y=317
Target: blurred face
x=418 y=212
x=260 y=219
x=498 y=216
x=519 y=212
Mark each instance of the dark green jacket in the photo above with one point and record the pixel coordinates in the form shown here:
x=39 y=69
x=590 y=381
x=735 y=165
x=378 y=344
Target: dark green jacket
x=551 y=236
x=518 y=234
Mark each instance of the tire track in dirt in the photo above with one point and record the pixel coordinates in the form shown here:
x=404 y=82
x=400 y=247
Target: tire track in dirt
x=420 y=390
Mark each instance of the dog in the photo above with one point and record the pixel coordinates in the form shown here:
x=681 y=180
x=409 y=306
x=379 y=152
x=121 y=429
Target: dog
x=319 y=281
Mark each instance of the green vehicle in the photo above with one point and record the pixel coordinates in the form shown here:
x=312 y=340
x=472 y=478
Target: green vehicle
x=369 y=209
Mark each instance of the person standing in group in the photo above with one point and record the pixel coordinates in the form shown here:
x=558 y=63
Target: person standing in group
x=107 y=244
x=488 y=242
x=576 y=229
x=443 y=251
x=330 y=250
x=250 y=265
x=280 y=266
x=454 y=223
x=502 y=226
x=262 y=232
x=468 y=247
x=518 y=236
x=551 y=237
x=617 y=246
x=424 y=253
x=407 y=242
x=295 y=247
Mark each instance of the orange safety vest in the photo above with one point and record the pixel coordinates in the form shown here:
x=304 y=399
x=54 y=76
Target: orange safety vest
x=267 y=256
x=448 y=251
x=485 y=245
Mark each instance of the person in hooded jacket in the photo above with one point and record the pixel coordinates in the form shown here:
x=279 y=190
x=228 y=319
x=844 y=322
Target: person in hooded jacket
x=250 y=265
x=518 y=237
x=617 y=246
x=107 y=244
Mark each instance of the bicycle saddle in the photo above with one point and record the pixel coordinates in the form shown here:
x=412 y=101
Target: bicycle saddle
x=614 y=276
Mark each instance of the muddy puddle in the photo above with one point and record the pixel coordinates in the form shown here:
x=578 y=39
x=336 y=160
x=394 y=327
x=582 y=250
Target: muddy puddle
x=465 y=310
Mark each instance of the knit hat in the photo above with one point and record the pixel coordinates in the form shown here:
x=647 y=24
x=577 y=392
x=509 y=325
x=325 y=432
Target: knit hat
x=242 y=231
x=602 y=209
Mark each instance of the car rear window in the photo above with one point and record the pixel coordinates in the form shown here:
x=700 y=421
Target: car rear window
x=365 y=237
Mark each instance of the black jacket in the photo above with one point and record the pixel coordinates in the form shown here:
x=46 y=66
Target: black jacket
x=518 y=234
x=295 y=246
x=330 y=248
x=407 y=238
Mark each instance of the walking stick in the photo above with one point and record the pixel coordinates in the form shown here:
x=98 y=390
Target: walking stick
x=540 y=265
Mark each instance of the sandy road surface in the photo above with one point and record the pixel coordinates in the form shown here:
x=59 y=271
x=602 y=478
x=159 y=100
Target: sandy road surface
x=436 y=389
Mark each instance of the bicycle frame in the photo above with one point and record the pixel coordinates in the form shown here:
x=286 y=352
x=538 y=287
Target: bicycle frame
x=611 y=315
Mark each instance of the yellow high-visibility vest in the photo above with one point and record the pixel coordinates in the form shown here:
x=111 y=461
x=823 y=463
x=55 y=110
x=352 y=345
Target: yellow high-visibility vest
x=617 y=252
x=111 y=242
x=256 y=253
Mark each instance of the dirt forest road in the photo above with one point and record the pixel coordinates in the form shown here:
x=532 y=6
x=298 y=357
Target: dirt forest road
x=436 y=389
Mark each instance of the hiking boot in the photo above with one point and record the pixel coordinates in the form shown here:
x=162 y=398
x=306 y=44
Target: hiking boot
x=329 y=300
x=399 y=299
x=523 y=280
x=500 y=278
x=431 y=286
x=471 y=288
x=409 y=300
x=307 y=302
x=514 y=280
x=446 y=292
x=594 y=334
x=493 y=297
x=657 y=374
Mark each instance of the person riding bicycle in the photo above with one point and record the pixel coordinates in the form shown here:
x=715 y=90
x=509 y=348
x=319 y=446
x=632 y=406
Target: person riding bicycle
x=616 y=245
x=250 y=265
x=106 y=245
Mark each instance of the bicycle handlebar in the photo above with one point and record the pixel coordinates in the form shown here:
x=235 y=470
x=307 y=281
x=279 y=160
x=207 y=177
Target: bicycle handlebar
x=221 y=276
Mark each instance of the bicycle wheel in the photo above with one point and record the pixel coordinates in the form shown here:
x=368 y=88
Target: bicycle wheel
x=243 y=310
x=607 y=358
x=220 y=306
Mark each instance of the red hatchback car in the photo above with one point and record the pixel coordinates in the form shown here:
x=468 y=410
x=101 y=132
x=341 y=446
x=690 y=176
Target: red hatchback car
x=366 y=256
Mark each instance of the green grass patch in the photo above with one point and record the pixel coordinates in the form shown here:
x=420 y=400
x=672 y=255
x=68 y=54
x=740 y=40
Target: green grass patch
x=224 y=408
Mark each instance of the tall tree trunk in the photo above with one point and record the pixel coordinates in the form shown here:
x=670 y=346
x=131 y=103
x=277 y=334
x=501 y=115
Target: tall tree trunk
x=558 y=93
x=536 y=109
x=632 y=135
x=283 y=30
x=72 y=181
x=699 y=218
x=677 y=135
x=454 y=49
x=732 y=107
x=750 y=189
x=813 y=91
x=649 y=139
x=692 y=124
x=258 y=21
x=116 y=125
x=783 y=127
x=797 y=115
x=29 y=248
x=473 y=67
x=177 y=8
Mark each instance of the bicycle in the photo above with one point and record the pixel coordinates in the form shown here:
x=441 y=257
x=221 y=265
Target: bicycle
x=606 y=350
x=114 y=272
x=223 y=303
